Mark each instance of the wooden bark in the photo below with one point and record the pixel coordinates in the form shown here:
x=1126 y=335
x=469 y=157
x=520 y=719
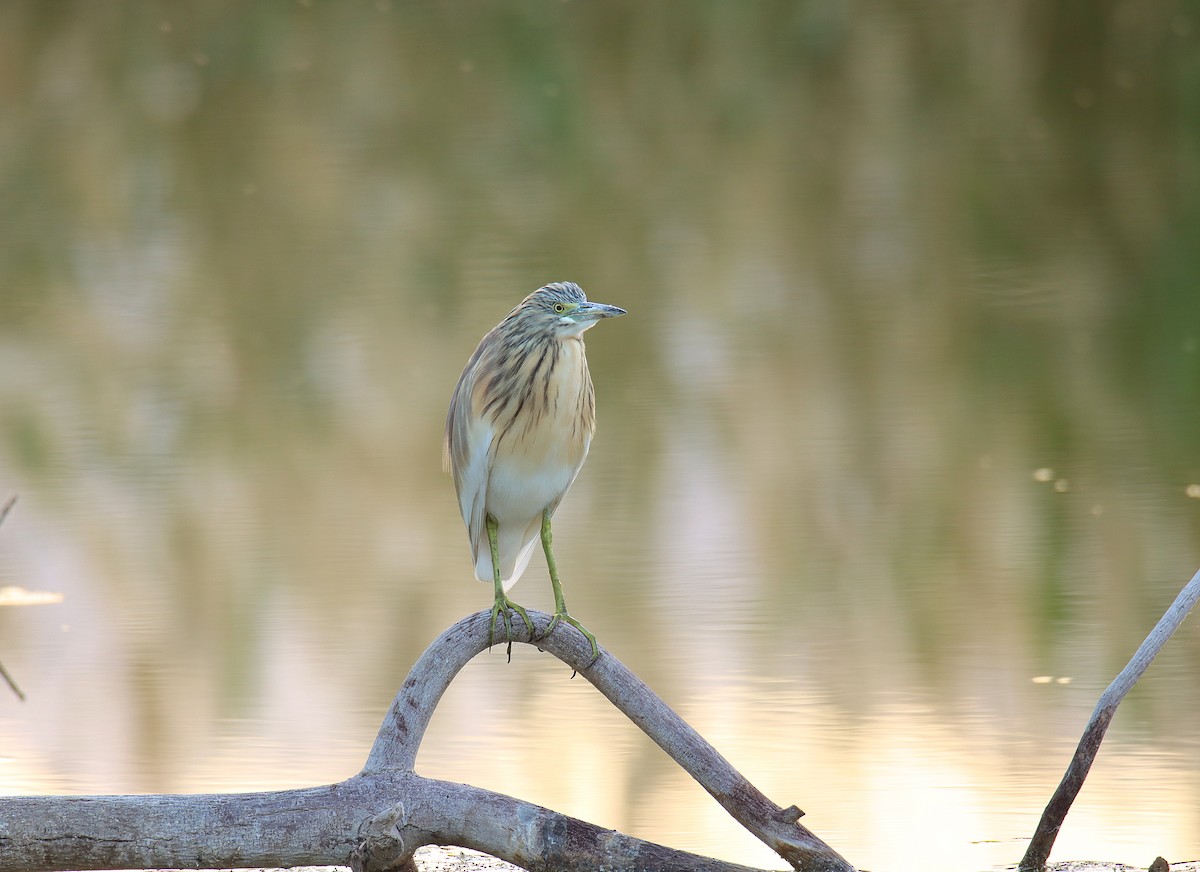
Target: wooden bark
x=1060 y=803
x=376 y=819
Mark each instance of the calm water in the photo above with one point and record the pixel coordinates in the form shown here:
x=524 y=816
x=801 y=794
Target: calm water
x=895 y=444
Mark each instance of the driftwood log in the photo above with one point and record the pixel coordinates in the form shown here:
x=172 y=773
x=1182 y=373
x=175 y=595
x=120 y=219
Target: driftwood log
x=375 y=820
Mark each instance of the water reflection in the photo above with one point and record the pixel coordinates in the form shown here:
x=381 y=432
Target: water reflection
x=883 y=265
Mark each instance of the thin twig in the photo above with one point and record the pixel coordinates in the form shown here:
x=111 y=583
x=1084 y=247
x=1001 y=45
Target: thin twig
x=1089 y=744
x=9 y=680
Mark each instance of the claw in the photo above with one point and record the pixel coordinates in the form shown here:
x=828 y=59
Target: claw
x=501 y=608
x=567 y=619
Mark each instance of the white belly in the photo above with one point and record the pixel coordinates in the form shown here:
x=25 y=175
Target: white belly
x=518 y=492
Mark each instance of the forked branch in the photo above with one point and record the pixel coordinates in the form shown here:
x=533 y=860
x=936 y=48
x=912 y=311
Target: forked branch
x=400 y=736
x=377 y=819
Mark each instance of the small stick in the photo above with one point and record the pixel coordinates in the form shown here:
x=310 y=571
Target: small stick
x=1089 y=744
x=4 y=672
x=8 y=679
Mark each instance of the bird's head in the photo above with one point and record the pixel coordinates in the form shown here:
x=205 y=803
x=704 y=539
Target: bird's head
x=561 y=309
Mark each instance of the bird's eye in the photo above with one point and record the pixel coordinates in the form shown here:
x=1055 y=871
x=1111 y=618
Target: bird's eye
x=560 y=307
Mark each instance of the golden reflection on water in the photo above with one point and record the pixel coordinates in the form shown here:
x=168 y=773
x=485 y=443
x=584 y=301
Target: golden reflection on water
x=903 y=420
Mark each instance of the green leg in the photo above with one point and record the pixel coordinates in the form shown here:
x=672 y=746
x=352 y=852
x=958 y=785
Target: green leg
x=560 y=605
x=502 y=605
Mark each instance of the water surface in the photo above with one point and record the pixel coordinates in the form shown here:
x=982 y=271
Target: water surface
x=895 y=445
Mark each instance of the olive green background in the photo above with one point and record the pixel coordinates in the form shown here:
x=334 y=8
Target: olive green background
x=903 y=417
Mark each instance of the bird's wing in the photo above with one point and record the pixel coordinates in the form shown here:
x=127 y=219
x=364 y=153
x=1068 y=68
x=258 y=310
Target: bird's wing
x=465 y=454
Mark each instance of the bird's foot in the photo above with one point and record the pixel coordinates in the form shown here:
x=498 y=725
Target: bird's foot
x=500 y=608
x=567 y=619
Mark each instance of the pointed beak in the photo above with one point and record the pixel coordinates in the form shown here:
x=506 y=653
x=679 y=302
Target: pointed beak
x=590 y=311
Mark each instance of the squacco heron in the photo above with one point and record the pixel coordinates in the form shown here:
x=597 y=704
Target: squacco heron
x=519 y=427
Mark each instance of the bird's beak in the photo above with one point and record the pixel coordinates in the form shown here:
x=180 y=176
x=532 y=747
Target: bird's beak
x=589 y=311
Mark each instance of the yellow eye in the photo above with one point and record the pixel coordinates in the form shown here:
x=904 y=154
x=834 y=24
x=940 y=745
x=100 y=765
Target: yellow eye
x=560 y=307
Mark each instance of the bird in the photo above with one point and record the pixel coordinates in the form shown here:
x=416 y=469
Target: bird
x=518 y=430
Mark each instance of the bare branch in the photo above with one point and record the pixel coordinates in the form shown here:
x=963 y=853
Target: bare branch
x=377 y=819
x=12 y=683
x=405 y=723
x=279 y=829
x=519 y=832
x=1089 y=744
x=373 y=822
x=8 y=679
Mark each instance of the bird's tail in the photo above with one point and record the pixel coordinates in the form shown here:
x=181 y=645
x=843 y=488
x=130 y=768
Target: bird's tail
x=515 y=553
